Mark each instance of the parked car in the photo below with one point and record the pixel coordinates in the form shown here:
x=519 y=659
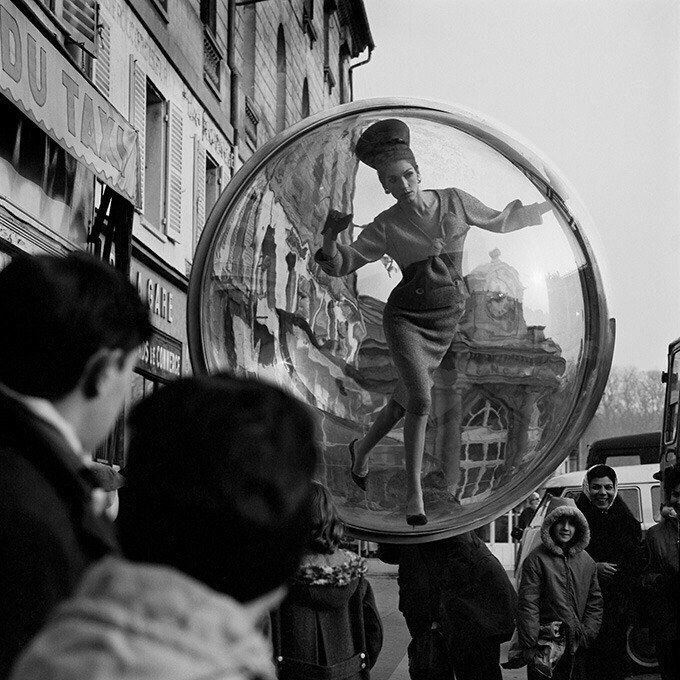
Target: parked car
x=630 y=449
x=642 y=494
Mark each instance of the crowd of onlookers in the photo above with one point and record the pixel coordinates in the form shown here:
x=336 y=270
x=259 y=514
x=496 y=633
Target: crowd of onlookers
x=226 y=558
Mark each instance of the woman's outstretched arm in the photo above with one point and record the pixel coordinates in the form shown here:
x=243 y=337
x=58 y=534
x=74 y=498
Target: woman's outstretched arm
x=337 y=259
x=514 y=216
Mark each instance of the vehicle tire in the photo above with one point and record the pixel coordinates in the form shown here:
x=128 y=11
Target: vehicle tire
x=640 y=648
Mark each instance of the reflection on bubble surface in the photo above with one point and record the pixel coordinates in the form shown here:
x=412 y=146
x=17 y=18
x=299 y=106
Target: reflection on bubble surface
x=527 y=363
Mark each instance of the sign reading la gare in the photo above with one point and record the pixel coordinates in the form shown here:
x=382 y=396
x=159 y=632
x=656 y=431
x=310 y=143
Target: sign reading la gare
x=51 y=91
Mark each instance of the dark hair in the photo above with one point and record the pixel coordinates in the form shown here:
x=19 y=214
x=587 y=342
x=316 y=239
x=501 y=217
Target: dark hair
x=327 y=528
x=218 y=481
x=57 y=312
x=600 y=471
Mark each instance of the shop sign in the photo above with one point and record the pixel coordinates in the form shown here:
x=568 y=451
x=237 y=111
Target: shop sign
x=159 y=299
x=62 y=102
x=161 y=356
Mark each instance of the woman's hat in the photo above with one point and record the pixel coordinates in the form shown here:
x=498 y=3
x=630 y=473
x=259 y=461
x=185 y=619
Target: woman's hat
x=383 y=142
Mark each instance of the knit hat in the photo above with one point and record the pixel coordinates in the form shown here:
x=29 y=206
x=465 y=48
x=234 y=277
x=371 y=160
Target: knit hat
x=384 y=142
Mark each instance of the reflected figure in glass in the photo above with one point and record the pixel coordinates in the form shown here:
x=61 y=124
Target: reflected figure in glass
x=424 y=233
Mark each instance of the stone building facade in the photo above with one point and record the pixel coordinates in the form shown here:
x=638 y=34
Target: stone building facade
x=125 y=120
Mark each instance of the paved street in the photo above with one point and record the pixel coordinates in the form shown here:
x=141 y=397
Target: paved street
x=392 y=663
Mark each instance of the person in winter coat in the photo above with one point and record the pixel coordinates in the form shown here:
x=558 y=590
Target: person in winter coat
x=71 y=331
x=559 y=583
x=661 y=582
x=213 y=518
x=616 y=546
x=328 y=626
x=424 y=232
x=458 y=584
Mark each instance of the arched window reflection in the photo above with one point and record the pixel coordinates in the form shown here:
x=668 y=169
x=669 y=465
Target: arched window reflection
x=484 y=438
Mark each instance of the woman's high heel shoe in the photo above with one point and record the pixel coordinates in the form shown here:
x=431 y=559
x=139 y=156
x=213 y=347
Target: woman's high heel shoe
x=359 y=480
x=416 y=520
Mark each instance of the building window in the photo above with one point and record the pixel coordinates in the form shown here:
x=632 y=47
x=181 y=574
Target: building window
x=209 y=15
x=207 y=187
x=280 y=80
x=304 y=109
x=308 y=21
x=212 y=55
x=155 y=165
x=213 y=183
x=328 y=76
x=248 y=64
x=343 y=73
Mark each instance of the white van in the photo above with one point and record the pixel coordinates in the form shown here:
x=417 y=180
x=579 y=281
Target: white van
x=641 y=493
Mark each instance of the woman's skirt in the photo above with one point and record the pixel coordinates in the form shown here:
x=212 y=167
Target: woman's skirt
x=418 y=341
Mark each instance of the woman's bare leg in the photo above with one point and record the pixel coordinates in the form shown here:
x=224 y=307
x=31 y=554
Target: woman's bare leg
x=414 y=444
x=388 y=416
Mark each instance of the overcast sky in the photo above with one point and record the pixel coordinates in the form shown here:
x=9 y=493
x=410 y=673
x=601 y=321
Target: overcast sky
x=594 y=86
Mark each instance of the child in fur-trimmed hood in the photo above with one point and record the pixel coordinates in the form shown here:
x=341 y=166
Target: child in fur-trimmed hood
x=559 y=583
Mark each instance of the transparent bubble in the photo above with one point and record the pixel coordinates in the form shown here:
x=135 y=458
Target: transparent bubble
x=527 y=360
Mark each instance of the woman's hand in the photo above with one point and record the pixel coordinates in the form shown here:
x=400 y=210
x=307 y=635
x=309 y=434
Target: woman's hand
x=336 y=222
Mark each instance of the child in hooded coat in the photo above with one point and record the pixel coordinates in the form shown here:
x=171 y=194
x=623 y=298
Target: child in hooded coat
x=559 y=583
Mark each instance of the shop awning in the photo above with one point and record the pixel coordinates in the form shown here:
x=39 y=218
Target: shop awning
x=38 y=78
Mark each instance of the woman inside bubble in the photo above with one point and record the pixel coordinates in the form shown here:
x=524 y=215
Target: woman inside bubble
x=424 y=233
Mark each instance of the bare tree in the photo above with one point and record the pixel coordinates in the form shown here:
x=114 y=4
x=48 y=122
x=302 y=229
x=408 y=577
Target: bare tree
x=632 y=403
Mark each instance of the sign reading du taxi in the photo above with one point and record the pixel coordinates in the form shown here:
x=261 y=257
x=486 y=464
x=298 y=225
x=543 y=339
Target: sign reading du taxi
x=47 y=88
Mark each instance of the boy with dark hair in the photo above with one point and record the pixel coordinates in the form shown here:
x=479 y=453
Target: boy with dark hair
x=214 y=518
x=71 y=329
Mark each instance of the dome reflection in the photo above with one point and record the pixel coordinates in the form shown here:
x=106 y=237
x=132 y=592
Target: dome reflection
x=530 y=354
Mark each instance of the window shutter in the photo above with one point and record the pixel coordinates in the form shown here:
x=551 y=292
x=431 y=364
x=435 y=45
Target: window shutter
x=102 y=67
x=199 y=190
x=137 y=115
x=81 y=18
x=173 y=217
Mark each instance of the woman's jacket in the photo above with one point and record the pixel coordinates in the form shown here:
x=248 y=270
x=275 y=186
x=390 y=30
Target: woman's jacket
x=661 y=582
x=616 y=537
x=560 y=586
x=328 y=626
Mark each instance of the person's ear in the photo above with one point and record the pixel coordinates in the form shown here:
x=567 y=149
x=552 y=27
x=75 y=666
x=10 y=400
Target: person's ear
x=98 y=369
